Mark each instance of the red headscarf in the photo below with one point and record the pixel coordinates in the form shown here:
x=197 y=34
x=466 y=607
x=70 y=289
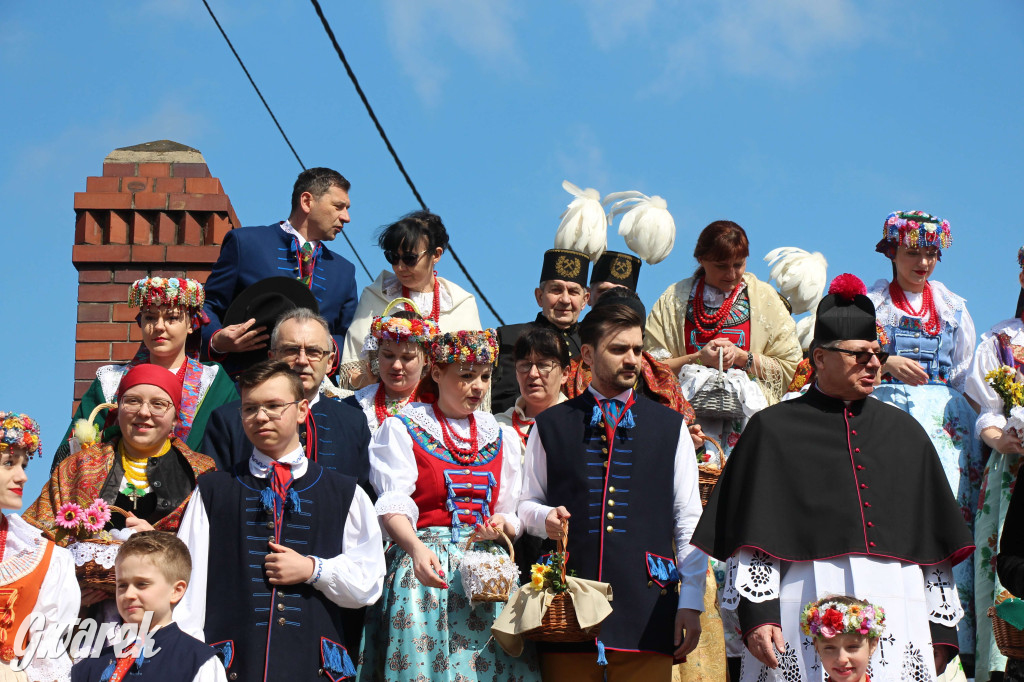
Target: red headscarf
x=154 y=376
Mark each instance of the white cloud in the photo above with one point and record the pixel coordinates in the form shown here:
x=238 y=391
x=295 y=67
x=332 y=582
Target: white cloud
x=581 y=161
x=420 y=31
x=612 y=21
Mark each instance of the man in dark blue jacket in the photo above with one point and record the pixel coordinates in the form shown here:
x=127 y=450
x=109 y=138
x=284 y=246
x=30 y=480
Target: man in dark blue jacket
x=291 y=248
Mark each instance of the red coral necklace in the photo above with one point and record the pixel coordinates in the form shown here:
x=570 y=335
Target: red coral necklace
x=380 y=407
x=435 y=307
x=929 y=315
x=462 y=454
x=521 y=427
x=711 y=325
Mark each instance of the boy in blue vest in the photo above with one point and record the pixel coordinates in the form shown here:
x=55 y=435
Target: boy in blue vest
x=283 y=546
x=152 y=571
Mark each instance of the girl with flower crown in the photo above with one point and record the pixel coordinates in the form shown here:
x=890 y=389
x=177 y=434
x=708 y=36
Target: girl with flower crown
x=442 y=471
x=170 y=316
x=845 y=632
x=929 y=336
x=37 y=578
x=1000 y=346
x=396 y=351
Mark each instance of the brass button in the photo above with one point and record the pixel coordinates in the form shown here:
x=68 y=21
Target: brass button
x=611 y=488
x=280 y=607
x=604 y=437
x=320 y=672
x=610 y=516
x=611 y=503
x=280 y=621
x=650 y=583
x=606 y=465
x=270 y=524
x=664 y=591
x=609 y=528
x=917 y=350
x=604 y=450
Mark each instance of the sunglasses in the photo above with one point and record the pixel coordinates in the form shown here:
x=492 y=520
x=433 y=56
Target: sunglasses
x=862 y=357
x=410 y=259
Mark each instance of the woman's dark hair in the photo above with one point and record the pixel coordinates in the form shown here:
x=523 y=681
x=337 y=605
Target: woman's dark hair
x=406 y=315
x=604 y=319
x=405 y=234
x=542 y=341
x=722 y=240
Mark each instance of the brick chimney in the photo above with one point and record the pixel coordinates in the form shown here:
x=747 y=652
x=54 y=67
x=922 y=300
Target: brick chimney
x=156 y=210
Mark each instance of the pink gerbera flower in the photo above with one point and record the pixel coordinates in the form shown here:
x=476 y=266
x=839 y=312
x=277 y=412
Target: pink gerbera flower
x=68 y=515
x=101 y=510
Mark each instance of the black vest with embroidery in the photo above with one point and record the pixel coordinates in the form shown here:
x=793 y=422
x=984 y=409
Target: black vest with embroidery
x=621 y=497
x=179 y=658
x=276 y=633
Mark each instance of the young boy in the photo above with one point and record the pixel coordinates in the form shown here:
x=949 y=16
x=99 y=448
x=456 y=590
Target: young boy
x=282 y=546
x=152 y=571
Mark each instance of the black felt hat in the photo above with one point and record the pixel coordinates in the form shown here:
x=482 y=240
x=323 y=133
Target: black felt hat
x=845 y=313
x=617 y=268
x=267 y=301
x=566 y=265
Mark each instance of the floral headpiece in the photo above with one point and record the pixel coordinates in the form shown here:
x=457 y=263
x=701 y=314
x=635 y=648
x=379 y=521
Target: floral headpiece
x=914 y=229
x=173 y=292
x=1020 y=256
x=19 y=431
x=827 y=618
x=465 y=347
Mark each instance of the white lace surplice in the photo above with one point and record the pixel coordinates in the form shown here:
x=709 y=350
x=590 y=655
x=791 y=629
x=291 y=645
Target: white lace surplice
x=911 y=595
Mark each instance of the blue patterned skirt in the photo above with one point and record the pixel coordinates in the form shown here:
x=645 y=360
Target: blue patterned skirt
x=416 y=633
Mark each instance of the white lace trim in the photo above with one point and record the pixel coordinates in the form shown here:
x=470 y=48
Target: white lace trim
x=206 y=379
x=713 y=296
x=104 y=555
x=730 y=597
x=422 y=415
x=488 y=571
x=941 y=595
x=23 y=551
x=758 y=578
x=49 y=669
x=365 y=396
x=394 y=502
x=110 y=377
x=947 y=304
x=424 y=300
x=987 y=419
x=660 y=354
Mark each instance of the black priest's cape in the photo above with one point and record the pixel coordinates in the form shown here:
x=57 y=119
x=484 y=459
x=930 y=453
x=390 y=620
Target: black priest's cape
x=814 y=478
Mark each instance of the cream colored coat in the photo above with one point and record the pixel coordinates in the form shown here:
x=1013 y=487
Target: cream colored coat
x=772 y=331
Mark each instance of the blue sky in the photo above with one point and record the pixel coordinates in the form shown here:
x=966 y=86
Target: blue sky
x=805 y=121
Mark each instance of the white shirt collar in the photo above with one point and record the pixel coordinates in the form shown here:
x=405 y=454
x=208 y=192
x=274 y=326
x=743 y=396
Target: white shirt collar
x=260 y=464
x=286 y=225
x=622 y=397
x=315 y=398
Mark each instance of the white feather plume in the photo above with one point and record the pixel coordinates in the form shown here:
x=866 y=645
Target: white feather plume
x=584 y=225
x=800 y=276
x=647 y=226
x=805 y=330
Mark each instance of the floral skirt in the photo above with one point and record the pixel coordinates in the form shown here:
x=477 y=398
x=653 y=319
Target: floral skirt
x=949 y=419
x=1000 y=475
x=706 y=663
x=415 y=633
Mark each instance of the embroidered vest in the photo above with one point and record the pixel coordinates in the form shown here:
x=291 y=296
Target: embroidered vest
x=736 y=329
x=935 y=353
x=21 y=576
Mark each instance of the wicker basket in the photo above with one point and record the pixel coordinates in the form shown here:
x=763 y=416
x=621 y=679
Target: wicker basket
x=94 y=576
x=559 y=623
x=715 y=400
x=496 y=575
x=1009 y=639
x=707 y=474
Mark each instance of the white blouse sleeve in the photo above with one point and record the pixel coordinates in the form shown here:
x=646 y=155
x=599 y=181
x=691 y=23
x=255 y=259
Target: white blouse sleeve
x=511 y=488
x=58 y=601
x=691 y=562
x=211 y=671
x=977 y=389
x=533 y=508
x=393 y=470
x=963 y=351
x=194 y=531
x=354 y=578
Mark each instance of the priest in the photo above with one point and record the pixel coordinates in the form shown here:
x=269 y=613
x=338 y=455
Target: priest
x=833 y=493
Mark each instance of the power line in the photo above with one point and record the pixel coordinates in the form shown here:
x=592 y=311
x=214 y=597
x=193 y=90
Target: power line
x=394 y=154
x=279 y=128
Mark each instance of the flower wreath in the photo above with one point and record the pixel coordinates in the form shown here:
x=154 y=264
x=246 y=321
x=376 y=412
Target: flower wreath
x=465 y=347
x=19 y=431
x=173 y=292
x=913 y=229
x=400 y=330
x=827 y=618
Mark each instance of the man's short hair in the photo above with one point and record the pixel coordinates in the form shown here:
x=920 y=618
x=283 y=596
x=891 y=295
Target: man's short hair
x=262 y=372
x=301 y=315
x=165 y=550
x=605 y=319
x=317 y=181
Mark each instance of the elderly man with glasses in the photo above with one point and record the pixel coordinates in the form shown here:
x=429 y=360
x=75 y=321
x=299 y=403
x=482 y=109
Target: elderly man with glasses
x=833 y=493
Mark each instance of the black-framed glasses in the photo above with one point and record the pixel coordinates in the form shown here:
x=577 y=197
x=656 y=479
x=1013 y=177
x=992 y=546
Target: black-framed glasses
x=862 y=357
x=410 y=259
x=289 y=353
x=157 y=408
x=272 y=410
x=544 y=367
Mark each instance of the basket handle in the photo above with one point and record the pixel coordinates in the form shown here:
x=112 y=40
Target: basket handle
x=404 y=301
x=563 y=541
x=120 y=511
x=718 y=446
x=96 y=410
x=501 y=534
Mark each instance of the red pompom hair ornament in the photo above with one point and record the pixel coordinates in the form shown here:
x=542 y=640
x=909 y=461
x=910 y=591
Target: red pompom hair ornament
x=847 y=286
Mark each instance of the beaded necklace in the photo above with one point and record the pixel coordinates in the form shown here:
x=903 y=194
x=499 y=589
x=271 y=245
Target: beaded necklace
x=380 y=404
x=3 y=536
x=462 y=455
x=135 y=472
x=932 y=324
x=711 y=325
x=435 y=307
x=524 y=432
